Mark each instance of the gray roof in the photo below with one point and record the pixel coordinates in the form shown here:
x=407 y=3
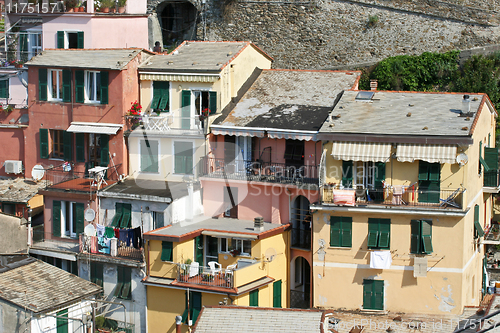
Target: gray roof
x=246 y=319
x=402 y=113
x=40 y=287
x=197 y=56
x=289 y=99
x=85 y=58
x=18 y=190
x=144 y=188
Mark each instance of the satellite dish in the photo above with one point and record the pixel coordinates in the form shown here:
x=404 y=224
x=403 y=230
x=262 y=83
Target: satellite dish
x=270 y=254
x=462 y=159
x=89 y=230
x=37 y=172
x=89 y=215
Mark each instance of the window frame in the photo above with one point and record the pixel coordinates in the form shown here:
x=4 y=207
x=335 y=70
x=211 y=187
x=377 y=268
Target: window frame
x=56 y=139
x=375 y=230
x=367 y=177
x=59 y=85
x=167 y=251
x=5 y=89
x=235 y=243
x=417 y=239
x=186 y=167
x=74 y=218
x=157 y=168
x=344 y=225
x=35 y=42
x=96 y=88
x=253 y=298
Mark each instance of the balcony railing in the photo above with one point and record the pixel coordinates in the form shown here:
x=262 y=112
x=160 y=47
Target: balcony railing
x=491 y=178
x=72 y=179
x=299 y=299
x=301 y=238
x=259 y=171
x=94 y=245
x=169 y=122
x=199 y=275
x=402 y=196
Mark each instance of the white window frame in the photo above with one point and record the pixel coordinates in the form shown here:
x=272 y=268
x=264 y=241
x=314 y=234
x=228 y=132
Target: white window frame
x=71 y=233
x=194 y=115
x=95 y=88
x=33 y=47
x=59 y=83
x=366 y=172
x=66 y=37
x=173 y=159
x=238 y=244
x=140 y=157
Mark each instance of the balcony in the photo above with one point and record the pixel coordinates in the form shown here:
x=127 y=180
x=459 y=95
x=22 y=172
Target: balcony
x=205 y=276
x=280 y=173
x=396 y=196
x=93 y=245
x=65 y=177
x=301 y=238
x=170 y=123
x=491 y=179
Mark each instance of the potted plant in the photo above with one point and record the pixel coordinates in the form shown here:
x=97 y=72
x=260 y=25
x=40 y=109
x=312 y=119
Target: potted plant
x=185 y=269
x=70 y=5
x=235 y=252
x=106 y=5
x=121 y=6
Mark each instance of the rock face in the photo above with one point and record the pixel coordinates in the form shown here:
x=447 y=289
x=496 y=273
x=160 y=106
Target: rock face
x=326 y=34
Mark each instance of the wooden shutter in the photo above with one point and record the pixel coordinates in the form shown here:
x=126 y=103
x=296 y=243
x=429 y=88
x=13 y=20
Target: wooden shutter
x=119 y=281
x=415 y=236
x=127 y=283
x=79 y=44
x=79 y=86
x=80 y=225
x=367 y=294
x=254 y=298
x=66 y=85
x=277 y=294
x=198 y=246
x=347 y=173
x=491 y=158
x=155 y=102
x=186 y=308
x=80 y=147
x=378 y=295
x=385 y=233
x=346 y=235
x=195 y=305
x=477 y=225
x=56 y=218
x=104 y=87
x=163 y=105
x=68 y=145
x=104 y=150
x=166 y=251
x=4 y=88
x=212 y=102
x=61 y=323
x=427 y=236
x=118 y=215
x=60 y=39
x=42 y=84
x=23 y=46
x=373 y=232
x=423 y=170
x=127 y=212
x=335 y=231
x=186 y=109
x=149 y=156
x=434 y=171
x=44 y=143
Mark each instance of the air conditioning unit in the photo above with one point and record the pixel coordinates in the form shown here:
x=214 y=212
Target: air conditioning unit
x=15 y=167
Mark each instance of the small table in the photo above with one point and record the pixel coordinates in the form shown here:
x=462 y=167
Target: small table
x=98 y=174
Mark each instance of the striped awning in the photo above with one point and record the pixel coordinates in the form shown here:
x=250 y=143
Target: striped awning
x=361 y=151
x=428 y=153
x=237 y=131
x=180 y=78
x=292 y=135
x=96 y=128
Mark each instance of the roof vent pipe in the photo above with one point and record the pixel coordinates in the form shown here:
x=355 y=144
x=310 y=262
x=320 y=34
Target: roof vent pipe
x=258 y=224
x=466 y=104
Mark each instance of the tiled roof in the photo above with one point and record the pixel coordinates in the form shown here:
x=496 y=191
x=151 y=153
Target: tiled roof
x=85 y=58
x=403 y=113
x=195 y=57
x=18 y=190
x=289 y=99
x=247 y=319
x=40 y=287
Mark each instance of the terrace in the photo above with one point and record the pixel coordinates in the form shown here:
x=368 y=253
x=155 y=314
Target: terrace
x=64 y=177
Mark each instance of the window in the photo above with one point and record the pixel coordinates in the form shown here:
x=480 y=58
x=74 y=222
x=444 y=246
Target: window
x=429 y=175
x=183 y=157
x=340 y=231
x=123 y=282
x=373 y=294
x=57 y=143
x=70 y=40
x=166 y=251
x=122 y=218
x=149 y=156
x=241 y=246
x=34 y=44
x=277 y=294
x=158 y=220
x=379 y=233
x=96 y=273
x=160 y=96
x=194 y=307
x=231 y=202
x=366 y=174
x=479 y=232
x=421 y=236
x=91 y=86
x=67 y=218
x=97 y=149
x=490 y=164
x=9 y=209
x=254 y=298
x=202 y=100
x=294 y=152
x=4 y=88
x=55 y=85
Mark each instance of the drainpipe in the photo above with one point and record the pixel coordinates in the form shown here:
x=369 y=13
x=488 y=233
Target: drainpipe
x=29 y=226
x=178 y=323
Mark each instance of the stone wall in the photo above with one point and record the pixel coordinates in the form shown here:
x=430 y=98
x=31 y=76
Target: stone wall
x=325 y=34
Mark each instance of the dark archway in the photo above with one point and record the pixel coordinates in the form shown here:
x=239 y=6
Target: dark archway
x=300 y=289
x=178 y=22
x=301 y=223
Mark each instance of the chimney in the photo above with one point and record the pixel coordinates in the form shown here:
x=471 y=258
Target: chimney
x=373 y=84
x=258 y=224
x=466 y=104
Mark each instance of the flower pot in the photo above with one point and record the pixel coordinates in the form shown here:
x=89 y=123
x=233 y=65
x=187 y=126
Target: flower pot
x=81 y=9
x=105 y=10
x=121 y=10
x=18 y=65
x=71 y=10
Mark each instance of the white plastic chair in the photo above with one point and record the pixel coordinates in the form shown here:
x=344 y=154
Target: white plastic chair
x=215 y=267
x=194 y=269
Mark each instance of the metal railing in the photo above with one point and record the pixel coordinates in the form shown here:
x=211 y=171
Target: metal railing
x=200 y=275
x=301 y=238
x=491 y=178
x=169 y=122
x=299 y=299
x=95 y=245
x=259 y=171
x=63 y=173
x=395 y=196
x=20 y=47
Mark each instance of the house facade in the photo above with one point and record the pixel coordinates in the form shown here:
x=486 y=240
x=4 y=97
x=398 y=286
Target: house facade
x=398 y=197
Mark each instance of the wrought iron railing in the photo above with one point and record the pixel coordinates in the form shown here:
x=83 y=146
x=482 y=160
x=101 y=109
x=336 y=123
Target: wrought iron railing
x=491 y=178
x=299 y=299
x=66 y=172
x=301 y=238
x=117 y=248
x=259 y=171
x=199 y=275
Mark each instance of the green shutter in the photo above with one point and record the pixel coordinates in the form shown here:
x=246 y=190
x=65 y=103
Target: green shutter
x=335 y=231
x=62 y=324
x=79 y=218
x=415 y=236
x=68 y=145
x=79 y=40
x=385 y=233
x=44 y=143
x=163 y=105
x=118 y=289
x=149 y=156
x=118 y=215
x=189 y=164
x=166 y=251
x=186 y=109
x=127 y=283
x=423 y=170
x=119 y=281
x=277 y=294
x=66 y=85
x=104 y=150
x=4 y=88
x=346 y=233
x=481 y=160
x=491 y=157
x=198 y=246
x=42 y=84
x=347 y=173
x=179 y=164
x=23 y=47
x=254 y=298
x=195 y=305
x=427 y=236
x=373 y=232
x=212 y=102
x=434 y=171
x=379 y=175
x=367 y=294
x=79 y=86
x=378 y=295
x=56 y=218
x=155 y=102
x=477 y=224
x=104 y=87
x=80 y=147
x=60 y=39
x=127 y=212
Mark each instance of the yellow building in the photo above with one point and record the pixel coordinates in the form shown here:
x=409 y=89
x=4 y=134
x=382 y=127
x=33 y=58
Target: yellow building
x=406 y=184
x=212 y=261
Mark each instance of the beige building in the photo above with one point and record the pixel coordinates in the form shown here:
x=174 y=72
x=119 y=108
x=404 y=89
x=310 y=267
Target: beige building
x=405 y=184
